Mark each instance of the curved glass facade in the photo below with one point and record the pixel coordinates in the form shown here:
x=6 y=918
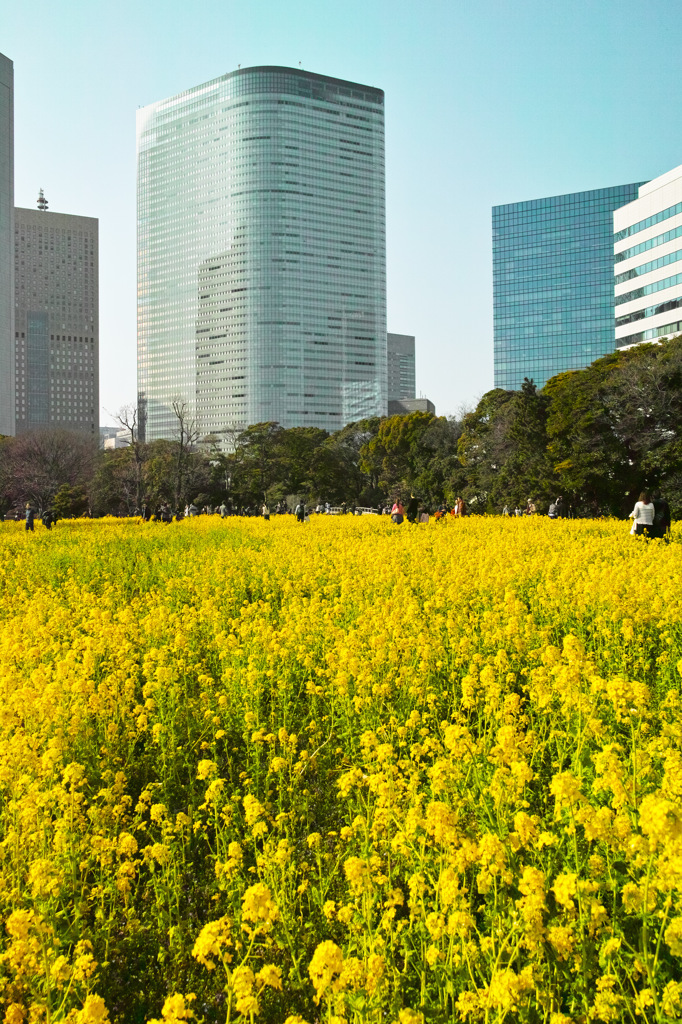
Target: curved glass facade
x=262 y=253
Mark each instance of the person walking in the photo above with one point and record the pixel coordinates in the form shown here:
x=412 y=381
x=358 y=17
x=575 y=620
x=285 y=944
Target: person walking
x=30 y=517
x=643 y=515
x=662 y=518
x=47 y=519
x=265 y=512
x=300 y=512
x=412 y=509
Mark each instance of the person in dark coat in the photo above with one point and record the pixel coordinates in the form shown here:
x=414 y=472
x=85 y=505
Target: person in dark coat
x=47 y=519
x=662 y=518
x=412 y=509
x=30 y=517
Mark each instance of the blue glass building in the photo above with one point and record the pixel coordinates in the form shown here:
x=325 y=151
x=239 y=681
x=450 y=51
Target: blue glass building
x=553 y=298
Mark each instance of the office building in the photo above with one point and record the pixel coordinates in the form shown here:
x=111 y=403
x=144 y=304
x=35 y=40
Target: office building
x=261 y=253
x=553 y=283
x=120 y=439
x=403 y=406
x=400 y=367
x=56 y=320
x=7 y=424
x=648 y=262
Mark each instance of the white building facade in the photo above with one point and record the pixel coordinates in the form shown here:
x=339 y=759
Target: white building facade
x=648 y=262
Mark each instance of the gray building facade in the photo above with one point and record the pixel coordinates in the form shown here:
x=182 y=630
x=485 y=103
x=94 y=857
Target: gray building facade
x=400 y=367
x=262 y=253
x=408 y=405
x=7 y=355
x=56 y=325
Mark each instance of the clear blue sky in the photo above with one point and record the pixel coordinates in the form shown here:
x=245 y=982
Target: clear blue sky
x=486 y=102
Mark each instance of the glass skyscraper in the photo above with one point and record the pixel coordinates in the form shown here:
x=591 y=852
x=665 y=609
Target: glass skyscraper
x=262 y=253
x=553 y=300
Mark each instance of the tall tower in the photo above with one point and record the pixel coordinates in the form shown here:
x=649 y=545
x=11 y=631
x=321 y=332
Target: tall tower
x=262 y=253
x=56 y=320
x=7 y=423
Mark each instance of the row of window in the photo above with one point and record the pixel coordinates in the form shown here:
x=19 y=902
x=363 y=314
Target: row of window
x=650 y=335
x=645 y=268
x=651 y=243
x=603 y=198
x=640 y=314
x=649 y=289
x=648 y=222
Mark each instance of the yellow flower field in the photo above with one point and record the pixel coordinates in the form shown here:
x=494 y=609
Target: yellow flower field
x=343 y=771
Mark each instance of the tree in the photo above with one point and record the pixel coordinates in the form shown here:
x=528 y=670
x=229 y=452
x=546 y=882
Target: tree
x=187 y=437
x=591 y=460
x=503 y=448
x=440 y=476
x=127 y=417
x=483 y=447
x=257 y=461
x=644 y=397
x=36 y=464
x=70 y=502
x=396 y=453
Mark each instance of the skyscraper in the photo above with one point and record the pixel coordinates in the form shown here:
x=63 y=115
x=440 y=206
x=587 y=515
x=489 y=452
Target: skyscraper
x=648 y=262
x=7 y=425
x=553 y=283
x=57 y=321
x=401 y=372
x=262 y=253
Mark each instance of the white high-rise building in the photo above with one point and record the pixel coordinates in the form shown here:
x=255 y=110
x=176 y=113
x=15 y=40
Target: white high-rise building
x=262 y=253
x=648 y=262
x=7 y=423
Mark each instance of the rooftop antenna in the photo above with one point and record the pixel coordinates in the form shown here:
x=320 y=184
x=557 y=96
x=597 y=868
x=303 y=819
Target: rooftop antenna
x=42 y=201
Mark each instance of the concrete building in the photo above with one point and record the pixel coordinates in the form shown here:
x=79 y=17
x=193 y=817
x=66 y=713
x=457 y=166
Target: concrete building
x=648 y=262
x=56 y=328
x=407 y=405
x=553 y=283
x=400 y=367
x=7 y=424
x=120 y=439
x=262 y=253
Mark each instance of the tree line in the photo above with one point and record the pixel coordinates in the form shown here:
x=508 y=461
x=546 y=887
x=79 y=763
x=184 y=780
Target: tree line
x=596 y=436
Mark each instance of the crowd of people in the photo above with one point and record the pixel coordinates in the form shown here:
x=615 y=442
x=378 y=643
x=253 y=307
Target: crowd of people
x=650 y=517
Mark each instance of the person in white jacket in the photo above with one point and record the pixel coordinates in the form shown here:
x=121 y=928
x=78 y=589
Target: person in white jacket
x=643 y=515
